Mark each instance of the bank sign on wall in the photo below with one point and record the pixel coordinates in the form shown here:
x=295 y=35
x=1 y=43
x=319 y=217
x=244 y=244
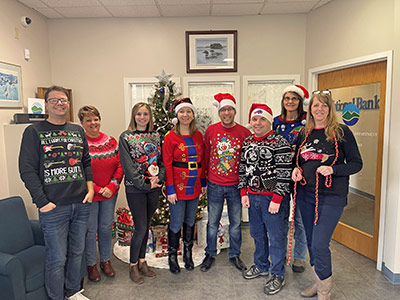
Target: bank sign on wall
x=358 y=107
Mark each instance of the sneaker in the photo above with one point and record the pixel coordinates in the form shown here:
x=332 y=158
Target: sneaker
x=254 y=272
x=274 y=284
x=298 y=266
x=78 y=296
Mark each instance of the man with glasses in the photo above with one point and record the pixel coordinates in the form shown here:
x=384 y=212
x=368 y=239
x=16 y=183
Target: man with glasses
x=223 y=142
x=54 y=164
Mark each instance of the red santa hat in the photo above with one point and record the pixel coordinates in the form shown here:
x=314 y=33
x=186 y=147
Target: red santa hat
x=258 y=109
x=181 y=103
x=298 y=89
x=222 y=100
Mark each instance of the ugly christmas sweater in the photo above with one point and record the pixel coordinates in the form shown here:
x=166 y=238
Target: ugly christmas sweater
x=289 y=129
x=222 y=148
x=106 y=167
x=317 y=151
x=140 y=155
x=54 y=163
x=183 y=158
x=265 y=166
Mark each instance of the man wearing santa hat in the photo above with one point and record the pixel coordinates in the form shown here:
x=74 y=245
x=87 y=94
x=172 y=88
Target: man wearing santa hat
x=222 y=143
x=264 y=178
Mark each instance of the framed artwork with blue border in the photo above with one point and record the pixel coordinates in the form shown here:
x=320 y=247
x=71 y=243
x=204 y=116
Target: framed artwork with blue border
x=211 y=51
x=10 y=85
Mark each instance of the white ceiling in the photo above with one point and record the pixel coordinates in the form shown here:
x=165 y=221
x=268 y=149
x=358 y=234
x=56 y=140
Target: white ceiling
x=168 y=8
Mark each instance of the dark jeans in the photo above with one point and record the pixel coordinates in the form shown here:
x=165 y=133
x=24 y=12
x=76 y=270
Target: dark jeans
x=216 y=195
x=319 y=236
x=182 y=211
x=142 y=206
x=64 y=229
x=269 y=234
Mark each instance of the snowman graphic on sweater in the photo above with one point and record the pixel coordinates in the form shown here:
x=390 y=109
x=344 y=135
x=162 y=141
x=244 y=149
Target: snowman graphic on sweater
x=225 y=154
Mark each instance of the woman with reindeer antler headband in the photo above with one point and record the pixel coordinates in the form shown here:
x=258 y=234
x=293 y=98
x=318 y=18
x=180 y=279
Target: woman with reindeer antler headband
x=327 y=154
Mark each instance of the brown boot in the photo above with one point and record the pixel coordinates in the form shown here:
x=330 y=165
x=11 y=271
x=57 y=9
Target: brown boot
x=324 y=288
x=311 y=291
x=93 y=273
x=135 y=275
x=145 y=270
x=107 y=268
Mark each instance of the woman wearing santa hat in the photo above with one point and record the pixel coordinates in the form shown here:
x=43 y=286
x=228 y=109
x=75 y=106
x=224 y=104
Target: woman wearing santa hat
x=144 y=172
x=185 y=180
x=264 y=178
x=327 y=155
x=291 y=120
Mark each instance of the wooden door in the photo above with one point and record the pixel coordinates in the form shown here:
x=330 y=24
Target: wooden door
x=353 y=235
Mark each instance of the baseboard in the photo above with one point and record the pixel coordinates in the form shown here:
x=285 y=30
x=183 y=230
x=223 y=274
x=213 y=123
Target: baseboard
x=361 y=193
x=392 y=277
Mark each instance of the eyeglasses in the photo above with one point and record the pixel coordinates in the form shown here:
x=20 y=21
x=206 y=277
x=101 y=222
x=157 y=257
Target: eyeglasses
x=325 y=92
x=228 y=109
x=56 y=100
x=294 y=99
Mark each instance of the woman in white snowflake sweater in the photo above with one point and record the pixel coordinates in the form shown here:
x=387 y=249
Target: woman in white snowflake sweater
x=264 y=177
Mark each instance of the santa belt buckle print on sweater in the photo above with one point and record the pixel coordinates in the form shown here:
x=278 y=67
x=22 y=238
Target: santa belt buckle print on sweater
x=190 y=165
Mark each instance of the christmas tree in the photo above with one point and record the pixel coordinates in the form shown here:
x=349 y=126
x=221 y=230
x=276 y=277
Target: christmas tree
x=161 y=98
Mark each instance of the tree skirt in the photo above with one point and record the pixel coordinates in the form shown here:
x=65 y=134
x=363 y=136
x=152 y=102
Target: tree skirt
x=122 y=253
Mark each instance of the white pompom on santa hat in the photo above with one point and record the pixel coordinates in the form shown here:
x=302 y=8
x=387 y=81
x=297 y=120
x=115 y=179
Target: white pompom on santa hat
x=222 y=100
x=298 y=89
x=181 y=103
x=259 y=109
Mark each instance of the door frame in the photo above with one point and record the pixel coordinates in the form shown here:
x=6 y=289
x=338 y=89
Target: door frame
x=377 y=57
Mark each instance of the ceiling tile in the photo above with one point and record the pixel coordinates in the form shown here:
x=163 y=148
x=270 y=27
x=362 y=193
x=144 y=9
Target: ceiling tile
x=320 y=3
x=134 y=11
x=83 y=12
x=71 y=3
x=236 y=1
x=33 y=3
x=127 y=2
x=182 y=2
x=49 y=12
x=288 y=8
x=236 y=9
x=290 y=1
x=195 y=10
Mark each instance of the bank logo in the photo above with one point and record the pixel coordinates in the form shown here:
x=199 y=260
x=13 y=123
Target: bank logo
x=350 y=114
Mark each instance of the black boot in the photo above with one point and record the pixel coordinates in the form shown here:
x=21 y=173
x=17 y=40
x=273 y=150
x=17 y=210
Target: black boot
x=173 y=245
x=188 y=235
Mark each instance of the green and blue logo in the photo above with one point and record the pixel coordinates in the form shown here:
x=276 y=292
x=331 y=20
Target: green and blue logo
x=350 y=114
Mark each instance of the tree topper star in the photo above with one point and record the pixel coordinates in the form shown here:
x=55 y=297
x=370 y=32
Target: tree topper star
x=164 y=77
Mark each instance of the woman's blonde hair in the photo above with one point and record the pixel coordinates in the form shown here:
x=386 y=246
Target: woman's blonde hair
x=132 y=125
x=192 y=126
x=332 y=125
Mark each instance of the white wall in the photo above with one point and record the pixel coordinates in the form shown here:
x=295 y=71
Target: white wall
x=343 y=30
x=35 y=72
x=92 y=56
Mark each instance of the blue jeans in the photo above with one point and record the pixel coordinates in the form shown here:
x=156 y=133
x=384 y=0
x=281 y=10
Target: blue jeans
x=300 y=241
x=216 y=195
x=64 y=229
x=100 y=223
x=269 y=234
x=319 y=236
x=182 y=211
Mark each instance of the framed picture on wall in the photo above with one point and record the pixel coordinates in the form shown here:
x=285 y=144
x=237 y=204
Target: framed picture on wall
x=211 y=51
x=10 y=85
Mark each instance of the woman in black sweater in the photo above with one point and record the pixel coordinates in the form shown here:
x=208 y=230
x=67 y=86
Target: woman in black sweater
x=327 y=154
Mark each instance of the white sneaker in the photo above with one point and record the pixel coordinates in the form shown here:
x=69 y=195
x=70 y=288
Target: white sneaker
x=78 y=296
